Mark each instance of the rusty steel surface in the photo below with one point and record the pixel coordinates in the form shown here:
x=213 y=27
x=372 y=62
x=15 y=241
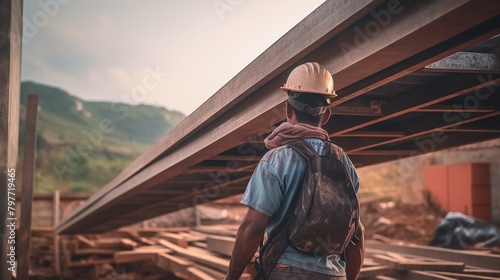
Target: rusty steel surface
x=400 y=94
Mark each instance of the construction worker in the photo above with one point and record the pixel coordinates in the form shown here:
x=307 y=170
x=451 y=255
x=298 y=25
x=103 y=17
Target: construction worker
x=281 y=171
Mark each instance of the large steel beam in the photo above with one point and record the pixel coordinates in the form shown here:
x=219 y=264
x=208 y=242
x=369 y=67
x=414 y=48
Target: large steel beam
x=320 y=26
x=258 y=112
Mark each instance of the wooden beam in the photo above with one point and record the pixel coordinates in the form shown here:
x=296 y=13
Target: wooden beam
x=177 y=265
x=398 y=264
x=357 y=111
x=85 y=263
x=439 y=108
x=463 y=276
x=423 y=275
x=198 y=274
x=470 y=258
x=364 y=133
x=220 y=244
x=57 y=214
x=470 y=129
x=236 y=157
x=29 y=160
x=434 y=93
x=383 y=153
x=11 y=18
x=211 y=261
x=175 y=238
x=368 y=272
x=483 y=272
x=466 y=62
x=419 y=127
x=139 y=254
x=424 y=25
x=194 y=197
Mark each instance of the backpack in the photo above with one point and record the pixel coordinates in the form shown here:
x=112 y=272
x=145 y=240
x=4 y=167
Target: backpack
x=325 y=213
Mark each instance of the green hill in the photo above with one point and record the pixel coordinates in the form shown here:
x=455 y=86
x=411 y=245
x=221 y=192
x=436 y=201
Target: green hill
x=81 y=144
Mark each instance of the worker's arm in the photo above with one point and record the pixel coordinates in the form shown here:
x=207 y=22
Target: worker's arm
x=248 y=239
x=355 y=254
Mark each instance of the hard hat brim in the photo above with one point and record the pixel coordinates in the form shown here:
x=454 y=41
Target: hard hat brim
x=286 y=89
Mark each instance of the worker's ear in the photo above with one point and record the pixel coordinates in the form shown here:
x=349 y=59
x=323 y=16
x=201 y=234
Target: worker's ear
x=326 y=116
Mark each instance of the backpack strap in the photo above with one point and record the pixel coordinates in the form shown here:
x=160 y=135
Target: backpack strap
x=304 y=149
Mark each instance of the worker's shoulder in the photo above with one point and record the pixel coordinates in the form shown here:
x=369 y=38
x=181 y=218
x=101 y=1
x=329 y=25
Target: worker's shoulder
x=280 y=154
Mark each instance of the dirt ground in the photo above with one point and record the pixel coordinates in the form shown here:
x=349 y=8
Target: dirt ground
x=409 y=224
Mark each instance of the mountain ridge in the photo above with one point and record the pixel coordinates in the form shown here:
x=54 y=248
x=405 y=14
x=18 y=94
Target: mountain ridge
x=81 y=144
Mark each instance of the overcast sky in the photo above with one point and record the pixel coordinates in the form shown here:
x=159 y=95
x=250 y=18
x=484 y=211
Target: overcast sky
x=171 y=53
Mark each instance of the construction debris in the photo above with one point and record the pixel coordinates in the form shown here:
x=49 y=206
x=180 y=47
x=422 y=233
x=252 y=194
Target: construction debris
x=203 y=252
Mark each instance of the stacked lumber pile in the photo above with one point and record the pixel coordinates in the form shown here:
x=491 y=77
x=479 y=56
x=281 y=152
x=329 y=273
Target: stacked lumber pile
x=42 y=257
x=203 y=253
x=392 y=261
x=188 y=253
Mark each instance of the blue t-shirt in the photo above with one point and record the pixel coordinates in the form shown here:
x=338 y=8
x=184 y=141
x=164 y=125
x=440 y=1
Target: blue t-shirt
x=274 y=182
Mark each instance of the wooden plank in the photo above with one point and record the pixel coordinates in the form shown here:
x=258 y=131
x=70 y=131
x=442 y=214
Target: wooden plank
x=57 y=214
x=365 y=133
x=423 y=275
x=85 y=263
x=221 y=244
x=464 y=276
x=211 y=261
x=125 y=242
x=177 y=239
x=152 y=230
x=368 y=272
x=201 y=245
x=193 y=237
x=29 y=158
x=212 y=272
x=483 y=272
x=382 y=277
x=92 y=251
x=177 y=265
x=197 y=274
x=214 y=230
x=470 y=258
x=85 y=240
x=11 y=20
x=405 y=264
x=140 y=254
